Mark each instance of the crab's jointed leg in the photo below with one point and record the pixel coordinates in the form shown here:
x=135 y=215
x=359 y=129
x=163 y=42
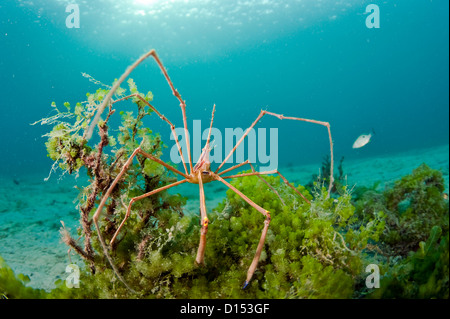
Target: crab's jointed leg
x=134 y=199
x=266 y=213
x=281 y=117
x=275 y=171
x=162 y=117
x=259 y=176
x=108 y=99
x=106 y=195
x=233 y=167
x=182 y=105
x=204 y=220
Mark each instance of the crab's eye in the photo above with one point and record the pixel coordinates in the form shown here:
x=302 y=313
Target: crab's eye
x=205 y=173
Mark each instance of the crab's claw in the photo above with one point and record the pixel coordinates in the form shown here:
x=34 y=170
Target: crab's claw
x=245 y=285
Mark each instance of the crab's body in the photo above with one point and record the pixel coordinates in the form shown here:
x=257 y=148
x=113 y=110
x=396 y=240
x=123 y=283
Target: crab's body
x=202 y=170
x=199 y=174
x=205 y=175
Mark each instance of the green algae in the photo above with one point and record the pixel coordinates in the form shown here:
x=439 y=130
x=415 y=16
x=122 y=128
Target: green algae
x=311 y=251
x=415 y=238
x=14 y=286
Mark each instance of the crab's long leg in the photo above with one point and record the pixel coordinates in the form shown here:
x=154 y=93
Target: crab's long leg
x=99 y=210
x=204 y=220
x=134 y=199
x=182 y=105
x=162 y=117
x=210 y=126
x=281 y=117
x=203 y=217
x=268 y=185
x=275 y=171
x=108 y=193
x=259 y=176
x=252 y=268
x=88 y=133
x=234 y=167
x=123 y=170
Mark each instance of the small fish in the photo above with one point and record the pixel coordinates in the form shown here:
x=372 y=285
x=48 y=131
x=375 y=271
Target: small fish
x=362 y=140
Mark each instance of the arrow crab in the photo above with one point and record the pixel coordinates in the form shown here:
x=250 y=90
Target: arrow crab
x=200 y=173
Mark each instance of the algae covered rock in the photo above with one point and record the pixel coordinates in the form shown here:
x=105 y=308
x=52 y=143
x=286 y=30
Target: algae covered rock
x=415 y=240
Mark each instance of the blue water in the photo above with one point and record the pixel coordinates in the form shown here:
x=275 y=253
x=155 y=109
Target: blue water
x=311 y=59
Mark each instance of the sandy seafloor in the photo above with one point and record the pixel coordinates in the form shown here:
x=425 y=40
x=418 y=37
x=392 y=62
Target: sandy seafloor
x=31 y=209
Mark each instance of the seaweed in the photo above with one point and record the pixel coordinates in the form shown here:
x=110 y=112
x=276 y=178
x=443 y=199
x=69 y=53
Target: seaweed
x=102 y=162
x=414 y=241
x=312 y=250
x=317 y=248
x=14 y=286
x=422 y=274
x=302 y=253
x=411 y=207
x=324 y=176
